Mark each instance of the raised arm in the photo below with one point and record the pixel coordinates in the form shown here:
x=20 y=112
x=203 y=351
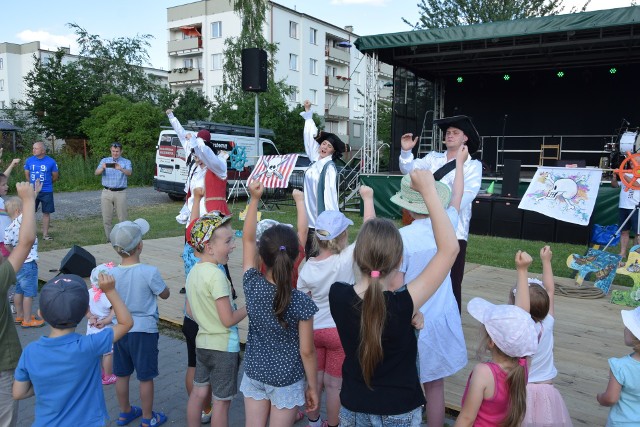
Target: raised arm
x=523 y=261
x=472 y=182
x=179 y=130
x=9 y=168
x=311 y=147
x=458 y=182
x=301 y=215
x=249 y=248
x=27 y=235
x=407 y=142
x=547 y=276
x=215 y=163
x=125 y=322
x=369 y=211
x=427 y=283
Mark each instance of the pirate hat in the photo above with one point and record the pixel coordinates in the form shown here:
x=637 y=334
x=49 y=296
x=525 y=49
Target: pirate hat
x=465 y=124
x=333 y=139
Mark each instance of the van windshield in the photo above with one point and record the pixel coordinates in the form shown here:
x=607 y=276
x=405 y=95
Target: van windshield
x=170 y=140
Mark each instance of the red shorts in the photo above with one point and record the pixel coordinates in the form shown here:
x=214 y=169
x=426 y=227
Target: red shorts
x=329 y=351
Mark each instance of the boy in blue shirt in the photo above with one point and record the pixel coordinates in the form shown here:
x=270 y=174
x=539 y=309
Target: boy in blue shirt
x=139 y=285
x=63 y=369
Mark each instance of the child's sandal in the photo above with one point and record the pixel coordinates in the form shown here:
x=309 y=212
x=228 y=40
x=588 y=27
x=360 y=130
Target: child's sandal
x=126 y=417
x=158 y=419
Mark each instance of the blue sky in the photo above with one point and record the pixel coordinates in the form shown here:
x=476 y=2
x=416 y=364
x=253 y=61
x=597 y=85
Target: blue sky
x=45 y=20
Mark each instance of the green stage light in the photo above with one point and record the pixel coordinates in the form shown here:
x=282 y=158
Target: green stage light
x=459 y=79
x=613 y=70
x=560 y=74
x=506 y=77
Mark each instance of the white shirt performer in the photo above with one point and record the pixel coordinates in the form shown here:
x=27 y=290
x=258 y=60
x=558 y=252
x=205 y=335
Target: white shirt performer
x=322 y=148
x=458 y=130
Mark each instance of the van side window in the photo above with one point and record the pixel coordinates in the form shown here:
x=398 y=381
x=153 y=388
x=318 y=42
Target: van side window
x=168 y=140
x=269 y=149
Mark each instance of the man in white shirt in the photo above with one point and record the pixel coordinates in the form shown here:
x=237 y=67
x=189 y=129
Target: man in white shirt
x=627 y=202
x=458 y=130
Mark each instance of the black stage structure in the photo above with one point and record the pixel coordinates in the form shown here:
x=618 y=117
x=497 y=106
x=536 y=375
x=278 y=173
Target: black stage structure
x=572 y=75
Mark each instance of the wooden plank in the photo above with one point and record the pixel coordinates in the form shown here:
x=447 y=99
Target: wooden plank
x=587 y=333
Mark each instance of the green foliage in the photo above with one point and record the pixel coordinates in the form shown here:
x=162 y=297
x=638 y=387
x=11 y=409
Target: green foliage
x=452 y=13
x=135 y=125
x=192 y=105
x=57 y=96
x=24 y=120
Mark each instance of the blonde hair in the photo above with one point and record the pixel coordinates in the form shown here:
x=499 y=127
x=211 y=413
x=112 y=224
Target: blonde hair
x=335 y=246
x=516 y=384
x=13 y=204
x=378 y=248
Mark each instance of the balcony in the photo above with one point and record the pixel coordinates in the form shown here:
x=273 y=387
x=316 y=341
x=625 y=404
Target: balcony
x=385 y=69
x=179 y=76
x=336 y=83
x=185 y=46
x=385 y=93
x=337 y=55
x=336 y=111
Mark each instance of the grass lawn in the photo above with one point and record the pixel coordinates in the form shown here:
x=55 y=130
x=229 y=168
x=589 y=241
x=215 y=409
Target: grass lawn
x=485 y=250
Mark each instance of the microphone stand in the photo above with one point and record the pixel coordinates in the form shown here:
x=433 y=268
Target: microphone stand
x=501 y=144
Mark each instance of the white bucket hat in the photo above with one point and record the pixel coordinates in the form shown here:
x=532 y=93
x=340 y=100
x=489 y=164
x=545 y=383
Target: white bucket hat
x=510 y=327
x=631 y=319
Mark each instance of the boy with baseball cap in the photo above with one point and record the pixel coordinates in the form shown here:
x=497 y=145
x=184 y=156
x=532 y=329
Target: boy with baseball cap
x=139 y=285
x=63 y=369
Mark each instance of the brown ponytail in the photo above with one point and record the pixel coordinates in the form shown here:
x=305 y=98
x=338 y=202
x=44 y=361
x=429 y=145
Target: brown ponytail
x=517 y=383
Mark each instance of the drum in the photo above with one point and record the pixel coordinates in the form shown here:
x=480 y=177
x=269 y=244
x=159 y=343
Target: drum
x=629 y=142
x=610 y=147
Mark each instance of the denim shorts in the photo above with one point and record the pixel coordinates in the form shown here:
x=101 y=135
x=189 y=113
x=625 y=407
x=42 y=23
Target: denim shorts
x=139 y=351
x=287 y=397
x=27 y=279
x=408 y=419
x=47 y=202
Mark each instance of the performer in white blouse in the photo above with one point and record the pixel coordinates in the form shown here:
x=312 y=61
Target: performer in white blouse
x=458 y=130
x=319 y=195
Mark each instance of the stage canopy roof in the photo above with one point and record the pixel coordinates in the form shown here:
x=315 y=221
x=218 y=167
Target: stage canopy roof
x=574 y=40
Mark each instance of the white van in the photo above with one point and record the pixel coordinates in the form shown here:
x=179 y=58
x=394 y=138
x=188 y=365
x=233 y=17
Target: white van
x=171 y=167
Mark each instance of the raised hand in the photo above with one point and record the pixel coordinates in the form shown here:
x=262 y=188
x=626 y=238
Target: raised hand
x=523 y=260
x=421 y=180
x=106 y=282
x=366 y=192
x=256 y=189
x=407 y=141
x=546 y=254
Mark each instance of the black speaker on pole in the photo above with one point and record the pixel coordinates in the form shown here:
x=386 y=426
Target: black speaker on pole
x=78 y=261
x=511 y=178
x=254 y=70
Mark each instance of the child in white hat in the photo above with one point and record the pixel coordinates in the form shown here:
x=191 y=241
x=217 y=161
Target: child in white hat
x=623 y=390
x=99 y=316
x=496 y=390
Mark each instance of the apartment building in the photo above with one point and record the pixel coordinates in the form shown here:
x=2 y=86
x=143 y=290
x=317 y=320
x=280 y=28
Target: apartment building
x=16 y=60
x=315 y=58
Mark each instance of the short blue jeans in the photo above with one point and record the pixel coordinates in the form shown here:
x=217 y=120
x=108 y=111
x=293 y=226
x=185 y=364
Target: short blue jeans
x=27 y=279
x=408 y=419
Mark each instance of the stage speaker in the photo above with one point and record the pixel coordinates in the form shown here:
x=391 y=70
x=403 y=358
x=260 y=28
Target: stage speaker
x=536 y=226
x=78 y=261
x=254 y=70
x=481 y=211
x=506 y=220
x=567 y=232
x=511 y=178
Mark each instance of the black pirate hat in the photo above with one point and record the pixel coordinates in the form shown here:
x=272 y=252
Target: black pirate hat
x=465 y=124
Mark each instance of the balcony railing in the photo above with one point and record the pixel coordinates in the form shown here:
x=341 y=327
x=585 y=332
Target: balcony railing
x=336 y=111
x=185 y=45
x=337 y=83
x=337 y=55
x=184 y=75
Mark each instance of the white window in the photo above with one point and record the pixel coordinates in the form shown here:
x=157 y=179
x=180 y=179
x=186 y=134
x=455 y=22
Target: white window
x=313 y=66
x=215 y=90
x=313 y=36
x=293 y=30
x=356 y=77
x=216 y=61
x=331 y=127
x=216 y=30
x=330 y=71
x=2 y=106
x=1 y=84
x=188 y=63
x=293 y=61
x=293 y=96
x=356 y=104
x=313 y=96
x=1 y=63
x=357 y=130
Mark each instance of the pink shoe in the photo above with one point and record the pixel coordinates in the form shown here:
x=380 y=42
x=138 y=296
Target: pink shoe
x=111 y=379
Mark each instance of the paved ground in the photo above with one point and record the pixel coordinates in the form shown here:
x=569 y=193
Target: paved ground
x=87 y=203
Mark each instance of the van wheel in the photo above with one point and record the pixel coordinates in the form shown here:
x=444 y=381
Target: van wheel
x=176 y=197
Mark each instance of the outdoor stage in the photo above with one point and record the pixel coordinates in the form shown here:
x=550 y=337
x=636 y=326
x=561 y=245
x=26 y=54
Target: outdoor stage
x=588 y=332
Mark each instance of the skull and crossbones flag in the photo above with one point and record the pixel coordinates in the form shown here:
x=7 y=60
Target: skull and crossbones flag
x=566 y=194
x=274 y=171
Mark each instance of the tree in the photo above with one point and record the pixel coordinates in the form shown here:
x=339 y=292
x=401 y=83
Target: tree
x=57 y=95
x=192 y=105
x=135 y=124
x=452 y=13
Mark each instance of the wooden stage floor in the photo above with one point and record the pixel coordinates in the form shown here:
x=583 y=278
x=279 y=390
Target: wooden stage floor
x=588 y=332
